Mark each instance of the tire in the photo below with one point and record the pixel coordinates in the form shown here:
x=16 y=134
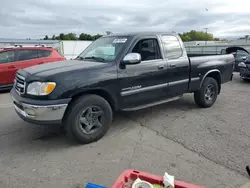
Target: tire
x=76 y=130
x=200 y=96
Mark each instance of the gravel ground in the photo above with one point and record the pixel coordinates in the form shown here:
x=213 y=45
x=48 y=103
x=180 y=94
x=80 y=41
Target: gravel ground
x=209 y=147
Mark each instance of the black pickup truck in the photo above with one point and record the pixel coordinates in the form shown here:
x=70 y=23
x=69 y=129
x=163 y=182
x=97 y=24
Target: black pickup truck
x=116 y=72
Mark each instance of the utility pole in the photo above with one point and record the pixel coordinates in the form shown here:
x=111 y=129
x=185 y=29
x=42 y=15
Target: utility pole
x=206 y=35
x=247 y=37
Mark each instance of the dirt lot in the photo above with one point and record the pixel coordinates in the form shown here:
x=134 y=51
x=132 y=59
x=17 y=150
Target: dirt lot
x=208 y=147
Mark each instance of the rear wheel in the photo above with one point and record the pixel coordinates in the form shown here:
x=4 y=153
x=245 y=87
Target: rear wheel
x=207 y=94
x=88 y=119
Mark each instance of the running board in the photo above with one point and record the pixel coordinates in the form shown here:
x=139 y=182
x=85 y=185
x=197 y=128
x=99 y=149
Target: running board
x=152 y=104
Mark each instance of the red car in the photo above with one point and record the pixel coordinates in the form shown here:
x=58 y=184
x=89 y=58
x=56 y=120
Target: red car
x=18 y=57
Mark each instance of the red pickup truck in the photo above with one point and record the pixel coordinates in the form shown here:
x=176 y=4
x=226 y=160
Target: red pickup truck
x=18 y=57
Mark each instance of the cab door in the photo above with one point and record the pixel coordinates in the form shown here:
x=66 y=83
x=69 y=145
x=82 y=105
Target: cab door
x=178 y=68
x=145 y=82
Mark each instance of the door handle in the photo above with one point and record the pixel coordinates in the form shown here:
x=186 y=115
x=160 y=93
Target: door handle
x=11 y=67
x=172 y=65
x=161 y=67
x=40 y=63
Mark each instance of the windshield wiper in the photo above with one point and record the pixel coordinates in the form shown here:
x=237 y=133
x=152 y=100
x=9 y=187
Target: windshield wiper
x=95 y=58
x=79 y=57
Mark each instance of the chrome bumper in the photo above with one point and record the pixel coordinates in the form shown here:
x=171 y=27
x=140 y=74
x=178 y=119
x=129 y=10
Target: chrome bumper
x=40 y=114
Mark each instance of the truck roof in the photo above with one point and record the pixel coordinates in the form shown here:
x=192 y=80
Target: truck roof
x=143 y=33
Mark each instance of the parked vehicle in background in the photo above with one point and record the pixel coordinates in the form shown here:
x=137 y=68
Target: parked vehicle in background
x=126 y=72
x=19 y=57
x=240 y=56
x=245 y=69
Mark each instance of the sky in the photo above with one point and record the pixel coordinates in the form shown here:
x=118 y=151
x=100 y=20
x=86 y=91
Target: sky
x=36 y=18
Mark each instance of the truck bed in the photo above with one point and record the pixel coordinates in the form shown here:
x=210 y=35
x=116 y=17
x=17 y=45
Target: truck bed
x=223 y=63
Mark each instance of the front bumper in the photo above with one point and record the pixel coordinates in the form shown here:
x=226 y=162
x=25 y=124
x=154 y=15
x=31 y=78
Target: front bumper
x=39 y=111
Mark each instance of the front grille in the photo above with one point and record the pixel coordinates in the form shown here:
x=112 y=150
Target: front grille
x=20 y=83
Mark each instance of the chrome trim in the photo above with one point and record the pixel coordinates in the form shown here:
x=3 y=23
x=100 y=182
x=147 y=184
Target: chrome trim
x=132 y=58
x=41 y=113
x=149 y=88
x=178 y=82
x=19 y=83
x=195 y=79
x=213 y=70
x=20 y=77
x=24 y=86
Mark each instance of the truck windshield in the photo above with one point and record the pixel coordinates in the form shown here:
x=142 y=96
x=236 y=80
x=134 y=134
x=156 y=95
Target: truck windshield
x=104 y=49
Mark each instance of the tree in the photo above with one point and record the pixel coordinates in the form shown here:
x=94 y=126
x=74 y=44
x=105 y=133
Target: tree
x=72 y=36
x=84 y=36
x=61 y=36
x=186 y=36
x=197 y=36
x=97 y=36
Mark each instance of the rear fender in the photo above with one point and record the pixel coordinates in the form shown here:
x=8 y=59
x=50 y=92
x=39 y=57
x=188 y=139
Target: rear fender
x=214 y=73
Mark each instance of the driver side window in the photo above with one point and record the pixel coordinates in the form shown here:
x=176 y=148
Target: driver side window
x=148 y=48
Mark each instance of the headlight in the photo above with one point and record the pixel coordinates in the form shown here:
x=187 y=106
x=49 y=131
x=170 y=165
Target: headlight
x=41 y=88
x=241 y=64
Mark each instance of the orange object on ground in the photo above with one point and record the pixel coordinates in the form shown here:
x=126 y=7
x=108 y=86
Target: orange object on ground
x=127 y=175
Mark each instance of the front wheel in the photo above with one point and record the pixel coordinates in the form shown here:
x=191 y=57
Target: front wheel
x=88 y=119
x=207 y=94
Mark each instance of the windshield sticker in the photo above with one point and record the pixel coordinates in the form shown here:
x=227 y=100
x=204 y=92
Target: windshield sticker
x=121 y=40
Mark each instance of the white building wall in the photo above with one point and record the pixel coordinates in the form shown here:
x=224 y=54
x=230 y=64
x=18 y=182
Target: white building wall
x=71 y=49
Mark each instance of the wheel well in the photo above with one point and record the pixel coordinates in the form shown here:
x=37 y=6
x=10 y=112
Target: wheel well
x=99 y=92
x=217 y=76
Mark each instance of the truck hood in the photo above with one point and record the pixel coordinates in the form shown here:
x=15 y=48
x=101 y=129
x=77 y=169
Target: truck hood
x=63 y=66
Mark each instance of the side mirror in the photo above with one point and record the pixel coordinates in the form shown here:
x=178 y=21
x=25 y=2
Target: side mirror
x=132 y=59
x=244 y=58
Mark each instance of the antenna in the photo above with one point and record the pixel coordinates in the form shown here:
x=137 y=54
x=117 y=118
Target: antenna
x=76 y=42
x=247 y=37
x=206 y=35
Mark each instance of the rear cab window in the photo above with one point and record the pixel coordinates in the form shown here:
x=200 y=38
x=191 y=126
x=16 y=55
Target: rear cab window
x=7 y=56
x=171 y=47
